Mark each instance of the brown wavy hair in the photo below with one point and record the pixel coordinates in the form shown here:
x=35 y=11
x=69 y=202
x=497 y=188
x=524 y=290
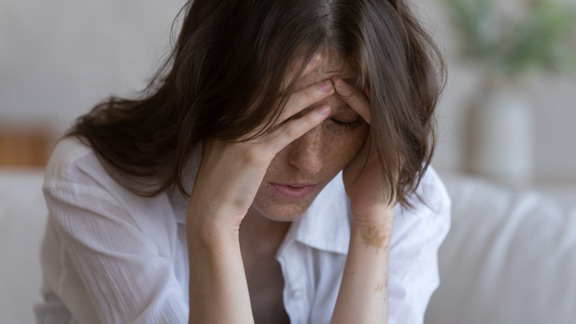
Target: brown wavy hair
x=228 y=68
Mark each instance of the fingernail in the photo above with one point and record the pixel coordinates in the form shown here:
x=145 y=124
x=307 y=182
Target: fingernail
x=326 y=86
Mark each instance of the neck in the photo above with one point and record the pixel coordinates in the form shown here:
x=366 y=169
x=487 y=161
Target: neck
x=260 y=237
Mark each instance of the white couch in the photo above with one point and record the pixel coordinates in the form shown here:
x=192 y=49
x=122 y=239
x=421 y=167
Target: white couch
x=22 y=220
x=509 y=258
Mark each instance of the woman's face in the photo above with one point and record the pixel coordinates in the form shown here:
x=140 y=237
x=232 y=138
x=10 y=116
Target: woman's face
x=300 y=171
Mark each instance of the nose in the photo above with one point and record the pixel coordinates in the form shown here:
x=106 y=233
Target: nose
x=305 y=153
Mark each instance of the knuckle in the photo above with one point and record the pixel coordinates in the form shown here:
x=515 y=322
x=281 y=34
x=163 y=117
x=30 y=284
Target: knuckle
x=347 y=92
x=316 y=92
x=311 y=121
x=290 y=130
x=255 y=156
x=307 y=97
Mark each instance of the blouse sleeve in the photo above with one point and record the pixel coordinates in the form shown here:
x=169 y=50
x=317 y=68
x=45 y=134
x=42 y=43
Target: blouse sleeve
x=122 y=273
x=413 y=256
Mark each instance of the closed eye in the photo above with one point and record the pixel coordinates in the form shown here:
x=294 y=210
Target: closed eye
x=348 y=118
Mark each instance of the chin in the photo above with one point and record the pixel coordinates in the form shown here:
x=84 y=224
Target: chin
x=279 y=212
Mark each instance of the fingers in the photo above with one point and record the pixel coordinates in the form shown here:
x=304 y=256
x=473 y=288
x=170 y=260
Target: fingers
x=355 y=98
x=305 y=98
x=293 y=129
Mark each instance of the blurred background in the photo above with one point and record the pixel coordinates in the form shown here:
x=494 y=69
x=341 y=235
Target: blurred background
x=508 y=110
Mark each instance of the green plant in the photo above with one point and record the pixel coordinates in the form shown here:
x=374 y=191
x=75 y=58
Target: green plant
x=542 y=36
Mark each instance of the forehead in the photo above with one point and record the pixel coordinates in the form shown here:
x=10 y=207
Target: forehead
x=330 y=65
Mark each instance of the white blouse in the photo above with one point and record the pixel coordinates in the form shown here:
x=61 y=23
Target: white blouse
x=110 y=256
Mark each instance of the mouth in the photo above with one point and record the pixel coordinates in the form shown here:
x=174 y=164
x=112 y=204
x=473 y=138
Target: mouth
x=294 y=191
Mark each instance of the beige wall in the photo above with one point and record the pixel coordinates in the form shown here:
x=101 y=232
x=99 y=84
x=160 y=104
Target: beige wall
x=57 y=57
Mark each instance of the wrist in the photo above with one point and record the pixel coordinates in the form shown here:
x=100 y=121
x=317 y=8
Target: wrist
x=208 y=234
x=382 y=216
x=372 y=231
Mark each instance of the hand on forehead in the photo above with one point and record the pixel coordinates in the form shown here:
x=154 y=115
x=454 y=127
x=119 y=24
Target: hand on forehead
x=347 y=99
x=330 y=64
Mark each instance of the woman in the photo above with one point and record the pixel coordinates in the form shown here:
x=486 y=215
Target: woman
x=275 y=171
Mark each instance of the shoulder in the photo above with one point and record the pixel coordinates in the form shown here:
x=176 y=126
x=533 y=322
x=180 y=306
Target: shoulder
x=428 y=219
x=78 y=186
x=430 y=198
x=76 y=175
x=72 y=161
x=76 y=179
x=74 y=166
x=431 y=192
x=76 y=170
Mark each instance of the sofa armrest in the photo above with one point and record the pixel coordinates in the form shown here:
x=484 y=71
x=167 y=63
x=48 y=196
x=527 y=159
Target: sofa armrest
x=510 y=256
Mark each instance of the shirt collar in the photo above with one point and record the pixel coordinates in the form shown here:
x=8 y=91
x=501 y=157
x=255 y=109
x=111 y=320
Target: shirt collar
x=326 y=223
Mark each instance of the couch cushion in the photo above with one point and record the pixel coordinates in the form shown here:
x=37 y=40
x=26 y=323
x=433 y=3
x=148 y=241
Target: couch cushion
x=510 y=256
x=22 y=219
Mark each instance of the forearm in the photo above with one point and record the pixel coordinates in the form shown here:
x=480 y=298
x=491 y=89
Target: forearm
x=218 y=287
x=363 y=295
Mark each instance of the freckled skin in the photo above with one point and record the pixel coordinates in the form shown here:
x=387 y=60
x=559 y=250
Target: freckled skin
x=372 y=237
x=314 y=158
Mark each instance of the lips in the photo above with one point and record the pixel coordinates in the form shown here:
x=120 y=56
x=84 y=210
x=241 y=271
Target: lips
x=294 y=191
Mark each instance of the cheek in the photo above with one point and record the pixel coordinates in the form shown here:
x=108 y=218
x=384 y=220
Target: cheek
x=342 y=143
